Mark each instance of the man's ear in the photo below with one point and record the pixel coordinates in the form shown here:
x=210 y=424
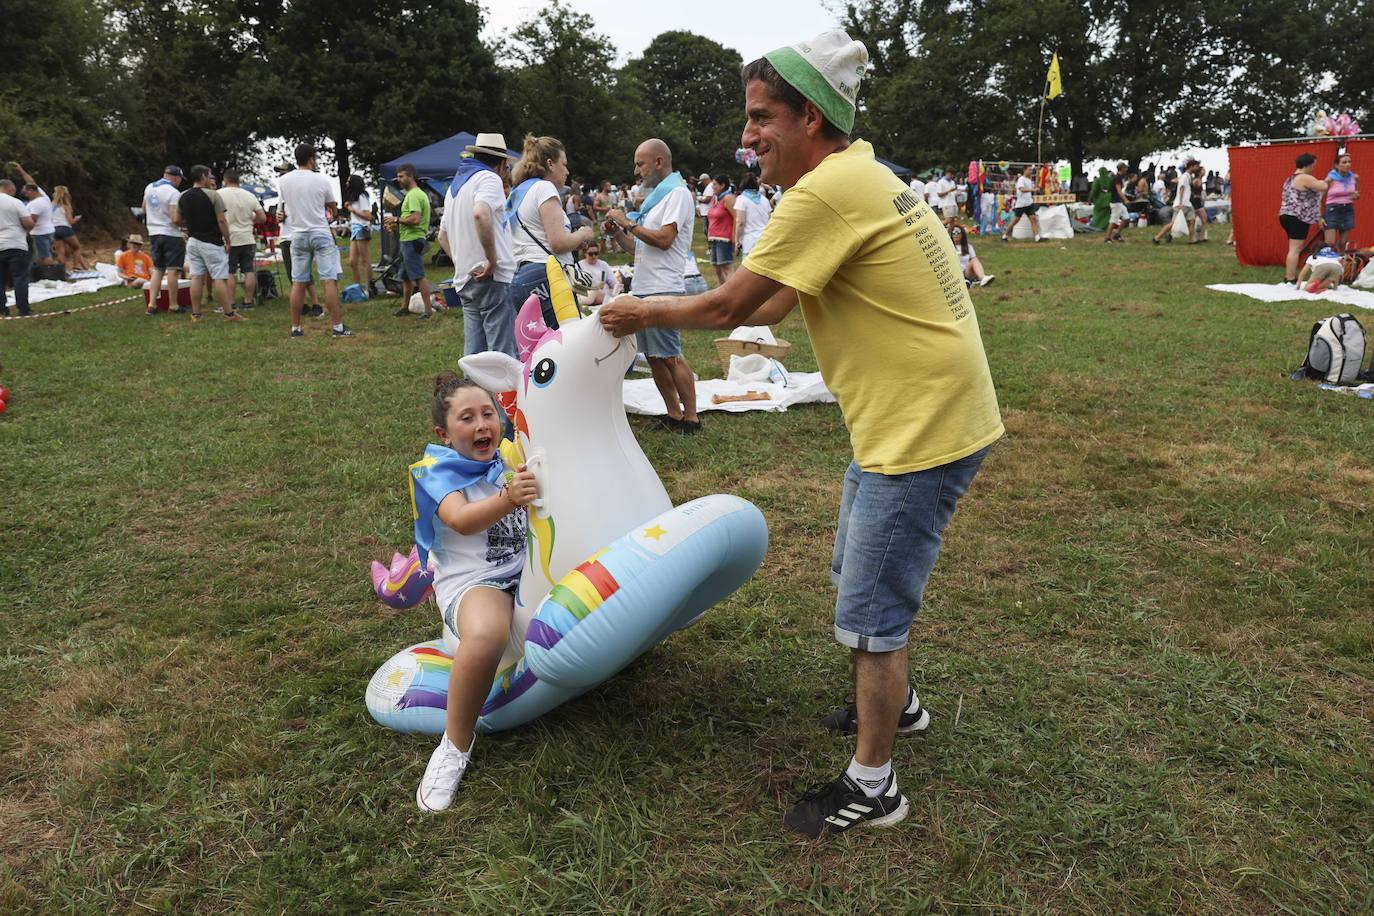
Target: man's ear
x=813 y=120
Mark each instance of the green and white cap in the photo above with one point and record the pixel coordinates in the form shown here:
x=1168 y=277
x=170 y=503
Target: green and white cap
x=826 y=70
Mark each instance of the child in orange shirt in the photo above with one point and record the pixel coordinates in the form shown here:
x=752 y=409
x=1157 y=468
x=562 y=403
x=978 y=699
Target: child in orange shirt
x=135 y=267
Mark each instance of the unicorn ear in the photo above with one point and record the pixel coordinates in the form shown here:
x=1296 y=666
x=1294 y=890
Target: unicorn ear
x=529 y=326
x=493 y=371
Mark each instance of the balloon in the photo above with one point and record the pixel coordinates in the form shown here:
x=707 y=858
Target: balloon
x=4 y=406
x=613 y=568
x=4 y=393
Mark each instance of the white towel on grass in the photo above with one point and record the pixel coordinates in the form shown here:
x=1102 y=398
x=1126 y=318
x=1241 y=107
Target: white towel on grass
x=1271 y=292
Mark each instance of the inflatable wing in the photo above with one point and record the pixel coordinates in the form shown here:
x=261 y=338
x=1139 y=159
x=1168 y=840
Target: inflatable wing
x=404 y=584
x=612 y=567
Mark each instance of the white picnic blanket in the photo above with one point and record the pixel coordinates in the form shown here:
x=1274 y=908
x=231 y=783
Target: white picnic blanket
x=1274 y=292
x=642 y=397
x=1361 y=391
x=42 y=290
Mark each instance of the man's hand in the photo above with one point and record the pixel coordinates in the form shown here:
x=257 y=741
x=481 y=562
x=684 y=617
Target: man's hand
x=484 y=271
x=618 y=217
x=624 y=315
x=522 y=489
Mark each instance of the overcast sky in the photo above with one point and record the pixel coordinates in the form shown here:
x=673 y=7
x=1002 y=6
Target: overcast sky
x=752 y=27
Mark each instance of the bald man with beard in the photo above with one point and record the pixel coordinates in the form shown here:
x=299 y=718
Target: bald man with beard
x=660 y=235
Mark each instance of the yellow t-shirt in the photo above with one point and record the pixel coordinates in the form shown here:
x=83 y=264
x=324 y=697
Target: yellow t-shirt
x=888 y=313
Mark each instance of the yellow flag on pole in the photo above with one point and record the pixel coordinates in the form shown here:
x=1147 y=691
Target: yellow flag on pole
x=1053 y=87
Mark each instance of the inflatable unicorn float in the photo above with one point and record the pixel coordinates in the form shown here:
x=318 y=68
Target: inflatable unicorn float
x=612 y=568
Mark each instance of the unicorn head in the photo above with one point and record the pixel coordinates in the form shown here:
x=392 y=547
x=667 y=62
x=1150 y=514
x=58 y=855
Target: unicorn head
x=594 y=481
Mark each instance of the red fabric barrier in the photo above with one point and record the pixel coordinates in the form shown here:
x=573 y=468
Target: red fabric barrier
x=1257 y=176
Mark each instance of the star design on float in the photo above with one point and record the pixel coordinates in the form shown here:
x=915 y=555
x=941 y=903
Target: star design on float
x=655 y=533
x=531 y=326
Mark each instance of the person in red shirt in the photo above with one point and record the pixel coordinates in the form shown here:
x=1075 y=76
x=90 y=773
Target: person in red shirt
x=134 y=265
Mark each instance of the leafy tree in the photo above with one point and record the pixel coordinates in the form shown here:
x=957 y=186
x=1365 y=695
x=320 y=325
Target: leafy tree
x=691 y=86
x=374 y=79
x=56 y=97
x=563 y=83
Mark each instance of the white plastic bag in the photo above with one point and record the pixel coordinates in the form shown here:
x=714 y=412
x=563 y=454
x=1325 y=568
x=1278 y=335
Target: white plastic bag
x=1179 y=229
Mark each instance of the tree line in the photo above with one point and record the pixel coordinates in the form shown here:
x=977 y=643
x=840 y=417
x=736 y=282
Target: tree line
x=100 y=94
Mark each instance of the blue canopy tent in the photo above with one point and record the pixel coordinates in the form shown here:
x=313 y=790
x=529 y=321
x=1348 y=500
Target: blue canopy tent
x=434 y=167
x=900 y=171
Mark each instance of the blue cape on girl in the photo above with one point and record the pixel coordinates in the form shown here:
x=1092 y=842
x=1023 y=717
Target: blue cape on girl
x=435 y=476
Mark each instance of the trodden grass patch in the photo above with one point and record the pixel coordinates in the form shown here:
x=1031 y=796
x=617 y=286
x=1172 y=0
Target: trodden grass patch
x=1146 y=647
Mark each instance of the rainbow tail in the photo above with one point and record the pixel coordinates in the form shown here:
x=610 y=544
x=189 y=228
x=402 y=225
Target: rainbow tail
x=405 y=584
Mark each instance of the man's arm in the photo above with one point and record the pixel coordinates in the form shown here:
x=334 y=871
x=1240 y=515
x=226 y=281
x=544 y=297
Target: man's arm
x=660 y=238
x=746 y=298
x=223 y=228
x=259 y=216
x=485 y=222
x=28 y=222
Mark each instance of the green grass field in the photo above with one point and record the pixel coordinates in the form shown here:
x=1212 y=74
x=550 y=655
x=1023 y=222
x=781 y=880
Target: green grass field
x=1147 y=646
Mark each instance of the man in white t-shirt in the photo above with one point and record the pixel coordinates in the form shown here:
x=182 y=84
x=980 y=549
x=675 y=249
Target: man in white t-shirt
x=662 y=237
x=947 y=189
x=15 y=223
x=168 y=246
x=311 y=202
x=479 y=243
x=918 y=187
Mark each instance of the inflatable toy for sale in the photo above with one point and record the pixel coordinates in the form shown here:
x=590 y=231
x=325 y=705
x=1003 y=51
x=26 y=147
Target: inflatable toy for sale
x=612 y=567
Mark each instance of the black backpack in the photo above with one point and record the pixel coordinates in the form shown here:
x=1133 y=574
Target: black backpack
x=267 y=286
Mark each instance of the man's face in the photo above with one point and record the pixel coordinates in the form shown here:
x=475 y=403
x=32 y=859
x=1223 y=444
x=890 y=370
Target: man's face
x=405 y=180
x=592 y=255
x=648 y=167
x=776 y=134
x=174 y=179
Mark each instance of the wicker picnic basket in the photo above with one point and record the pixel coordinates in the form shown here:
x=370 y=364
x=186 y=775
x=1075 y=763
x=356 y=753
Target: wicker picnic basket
x=727 y=347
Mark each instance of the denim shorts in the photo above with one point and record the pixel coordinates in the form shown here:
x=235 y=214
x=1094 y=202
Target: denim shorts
x=412 y=260
x=204 y=258
x=317 y=246
x=1340 y=217
x=722 y=251
x=62 y=233
x=450 y=613
x=357 y=232
x=889 y=534
x=659 y=343
x=694 y=285
x=42 y=245
x=169 y=252
x=242 y=258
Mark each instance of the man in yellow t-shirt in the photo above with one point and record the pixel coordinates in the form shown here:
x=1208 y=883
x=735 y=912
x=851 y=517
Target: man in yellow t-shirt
x=897 y=341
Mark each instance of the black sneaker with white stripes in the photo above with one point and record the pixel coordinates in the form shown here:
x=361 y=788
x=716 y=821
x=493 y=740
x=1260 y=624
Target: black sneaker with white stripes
x=837 y=806
x=844 y=721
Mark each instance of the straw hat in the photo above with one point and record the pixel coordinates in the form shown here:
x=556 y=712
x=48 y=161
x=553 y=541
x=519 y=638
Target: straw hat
x=135 y=239
x=491 y=144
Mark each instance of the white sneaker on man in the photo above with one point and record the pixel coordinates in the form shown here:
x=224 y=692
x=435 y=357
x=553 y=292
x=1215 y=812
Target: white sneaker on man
x=445 y=771
x=987 y=278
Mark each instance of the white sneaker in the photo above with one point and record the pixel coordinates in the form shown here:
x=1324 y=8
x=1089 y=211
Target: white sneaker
x=987 y=279
x=440 y=783
x=1038 y=239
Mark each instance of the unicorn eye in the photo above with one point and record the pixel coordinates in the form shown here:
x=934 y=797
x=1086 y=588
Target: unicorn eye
x=543 y=372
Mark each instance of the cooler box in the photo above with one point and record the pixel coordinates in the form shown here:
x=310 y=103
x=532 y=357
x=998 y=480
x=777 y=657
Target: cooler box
x=183 y=296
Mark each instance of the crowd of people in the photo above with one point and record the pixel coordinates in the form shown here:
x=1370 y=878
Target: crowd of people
x=35 y=229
